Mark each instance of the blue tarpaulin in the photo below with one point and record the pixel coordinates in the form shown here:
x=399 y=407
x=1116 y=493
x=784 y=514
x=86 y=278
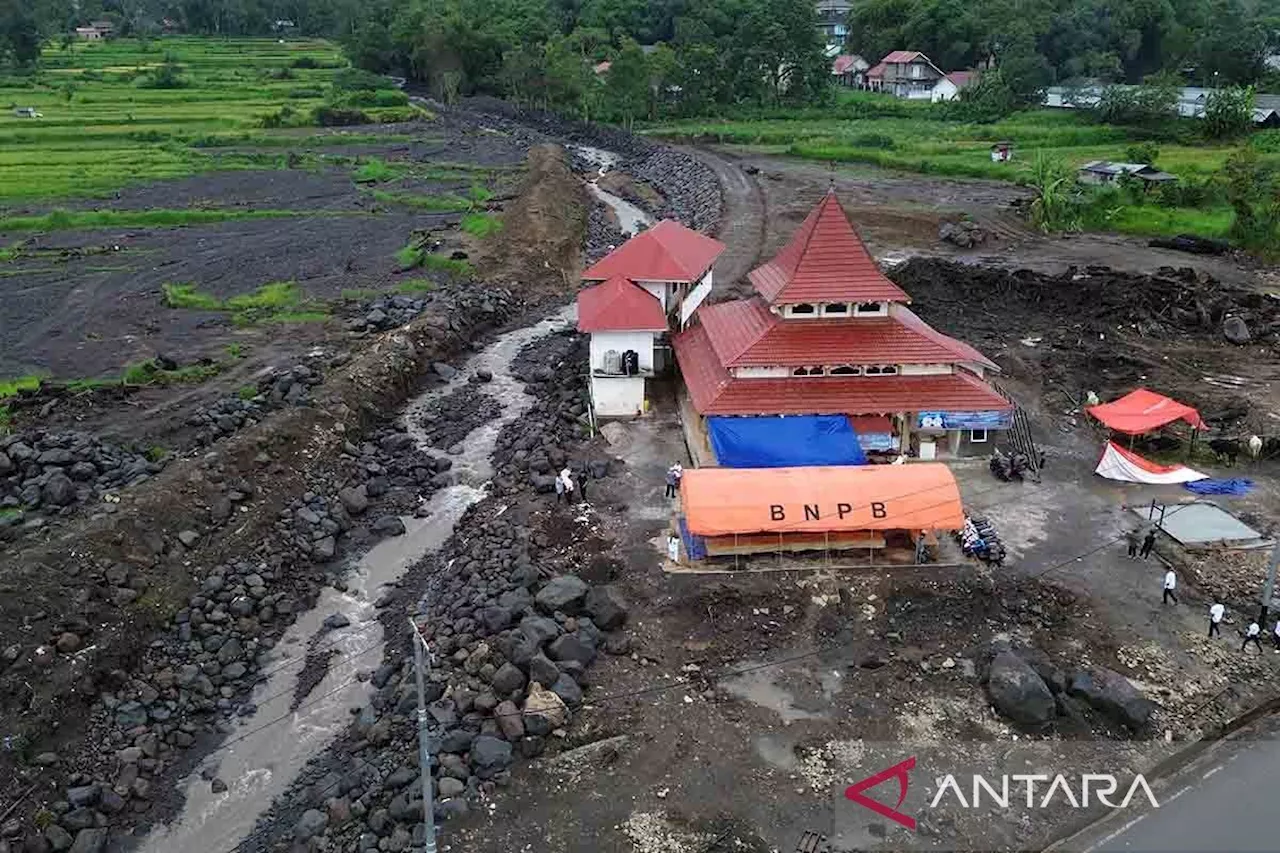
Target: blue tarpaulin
x=1235 y=487
x=777 y=442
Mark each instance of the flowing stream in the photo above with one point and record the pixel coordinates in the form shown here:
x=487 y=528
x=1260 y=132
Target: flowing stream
x=265 y=753
x=631 y=219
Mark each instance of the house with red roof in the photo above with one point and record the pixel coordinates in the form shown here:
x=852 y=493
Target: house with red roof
x=828 y=334
x=949 y=86
x=905 y=74
x=648 y=287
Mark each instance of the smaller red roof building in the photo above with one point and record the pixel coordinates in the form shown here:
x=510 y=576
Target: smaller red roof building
x=666 y=252
x=960 y=79
x=619 y=305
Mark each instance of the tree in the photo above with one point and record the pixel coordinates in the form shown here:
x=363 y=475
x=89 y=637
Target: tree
x=1228 y=113
x=19 y=34
x=626 y=85
x=1154 y=102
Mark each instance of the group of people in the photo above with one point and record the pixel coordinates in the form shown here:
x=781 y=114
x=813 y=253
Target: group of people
x=565 y=487
x=1252 y=634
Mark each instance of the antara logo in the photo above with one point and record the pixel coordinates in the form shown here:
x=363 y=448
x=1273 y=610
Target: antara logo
x=986 y=792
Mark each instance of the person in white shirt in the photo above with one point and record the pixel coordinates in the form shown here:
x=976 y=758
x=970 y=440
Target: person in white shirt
x=1215 y=618
x=1251 y=636
x=1275 y=636
x=566 y=477
x=1170 y=582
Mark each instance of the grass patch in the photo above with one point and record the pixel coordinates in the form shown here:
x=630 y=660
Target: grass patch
x=188 y=296
x=445 y=203
x=415 y=286
x=81 y=386
x=410 y=256
x=273 y=297
x=360 y=294
x=62 y=220
x=461 y=269
x=235 y=351
x=19 y=385
x=6 y=420
x=149 y=373
x=481 y=224
x=247 y=392
x=375 y=171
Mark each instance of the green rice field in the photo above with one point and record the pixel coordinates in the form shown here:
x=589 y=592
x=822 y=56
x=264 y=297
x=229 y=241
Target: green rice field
x=107 y=119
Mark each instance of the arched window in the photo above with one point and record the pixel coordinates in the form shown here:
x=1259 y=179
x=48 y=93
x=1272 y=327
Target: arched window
x=803 y=308
x=868 y=308
x=846 y=370
x=800 y=371
x=881 y=370
x=835 y=308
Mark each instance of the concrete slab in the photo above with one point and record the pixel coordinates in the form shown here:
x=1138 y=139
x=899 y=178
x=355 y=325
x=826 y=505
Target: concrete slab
x=1199 y=523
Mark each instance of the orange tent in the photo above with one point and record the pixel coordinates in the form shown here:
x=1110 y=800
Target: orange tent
x=727 y=501
x=1141 y=411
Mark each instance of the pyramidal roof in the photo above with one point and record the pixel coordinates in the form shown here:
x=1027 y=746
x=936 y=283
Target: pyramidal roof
x=825 y=261
x=666 y=252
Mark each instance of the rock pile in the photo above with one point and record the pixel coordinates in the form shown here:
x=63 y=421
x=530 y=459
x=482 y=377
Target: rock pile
x=49 y=473
x=1025 y=686
x=450 y=418
x=690 y=187
x=288 y=387
x=965 y=233
x=603 y=233
x=387 y=312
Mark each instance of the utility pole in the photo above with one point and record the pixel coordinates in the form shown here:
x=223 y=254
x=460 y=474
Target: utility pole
x=1269 y=588
x=424 y=752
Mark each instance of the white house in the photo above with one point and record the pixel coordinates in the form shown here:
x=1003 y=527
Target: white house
x=650 y=285
x=949 y=85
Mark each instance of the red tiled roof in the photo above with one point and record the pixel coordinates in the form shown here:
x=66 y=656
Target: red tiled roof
x=877 y=70
x=845 y=62
x=619 y=305
x=900 y=57
x=666 y=252
x=825 y=262
x=962 y=78
x=747 y=333
x=715 y=392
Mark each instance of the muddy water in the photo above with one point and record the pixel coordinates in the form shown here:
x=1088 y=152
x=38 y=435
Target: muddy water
x=263 y=755
x=631 y=219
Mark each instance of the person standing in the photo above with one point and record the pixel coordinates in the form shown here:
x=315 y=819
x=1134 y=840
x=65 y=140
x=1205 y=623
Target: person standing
x=566 y=476
x=673 y=548
x=1275 y=636
x=582 y=487
x=1134 y=538
x=672 y=480
x=559 y=489
x=1251 y=636
x=1170 y=583
x=1215 y=618
x=1148 y=542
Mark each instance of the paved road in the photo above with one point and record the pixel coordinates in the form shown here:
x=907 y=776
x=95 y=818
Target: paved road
x=1226 y=803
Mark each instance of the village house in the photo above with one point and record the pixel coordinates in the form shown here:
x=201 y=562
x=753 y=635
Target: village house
x=949 y=85
x=828 y=334
x=833 y=16
x=850 y=70
x=905 y=74
x=1105 y=172
x=650 y=285
x=92 y=33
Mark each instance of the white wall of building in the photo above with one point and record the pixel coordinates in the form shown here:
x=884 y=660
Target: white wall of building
x=700 y=292
x=924 y=369
x=762 y=372
x=641 y=342
x=617 y=396
x=944 y=90
x=660 y=289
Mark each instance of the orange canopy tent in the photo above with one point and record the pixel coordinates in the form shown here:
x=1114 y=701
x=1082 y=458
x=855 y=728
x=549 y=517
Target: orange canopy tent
x=1142 y=411
x=727 y=501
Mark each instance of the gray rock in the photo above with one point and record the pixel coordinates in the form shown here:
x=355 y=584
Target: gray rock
x=401 y=777
x=90 y=841
x=59 y=839
x=355 y=499
x=59 y=490
x=56 y=456
x=78 y=819
x=131 y=715
x=495 y=618
x=389 y=525
x=336 y=620
x=324 y=548
x=311 y=824
x=539 y=629
x=450 y=787
x=6 y=465
x=1018 y=692
x=507 y=679
x=565 y=593
x=217 y=786
x=457 y=740
x=188 y=538
x=444 y=371
x=1112 y=694
x=572 y=647
x=509 y=720
x=568 y=690
x=490 y=755
x=1235 y=330
x=85 y=795
x=542 y=670
x=606 y=608
x=484 y=375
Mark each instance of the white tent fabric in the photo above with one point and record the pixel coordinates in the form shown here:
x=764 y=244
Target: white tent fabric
x=1127 y=466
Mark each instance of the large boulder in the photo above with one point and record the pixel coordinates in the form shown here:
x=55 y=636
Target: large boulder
x=1018 y=692
x=606 y=608
x=544 y=711
x=565 y=593
x=490 y=755
x=1235 y=330
x=1112 y=694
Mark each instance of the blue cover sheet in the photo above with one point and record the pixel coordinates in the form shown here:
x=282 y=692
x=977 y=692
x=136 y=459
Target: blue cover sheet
x=1236 y=486
x=778 y=442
